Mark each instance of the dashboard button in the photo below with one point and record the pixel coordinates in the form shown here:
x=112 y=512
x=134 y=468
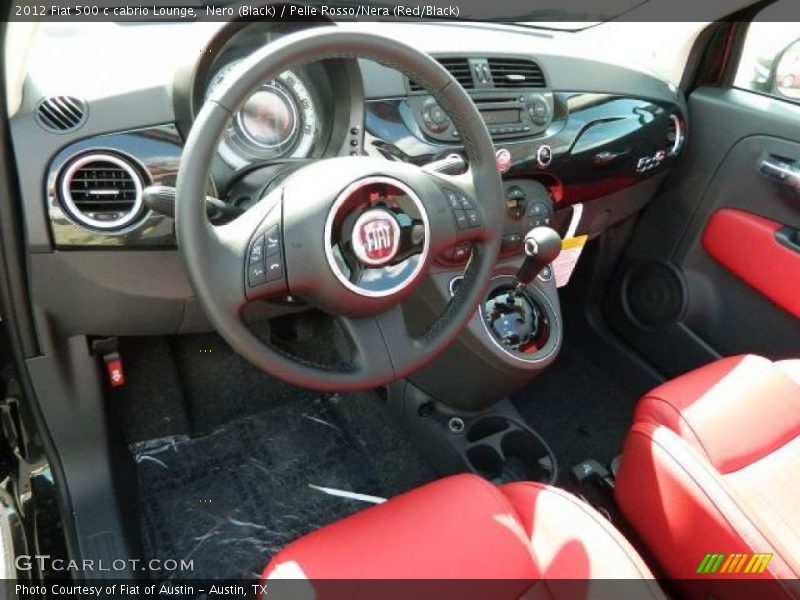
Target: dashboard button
x=546 y=273
x=538 y=209
x=544 y=156
x=515 y=193
x=503 y=160
x=461 y=252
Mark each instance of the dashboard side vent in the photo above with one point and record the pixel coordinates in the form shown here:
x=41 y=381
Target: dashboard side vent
x=101 y=191
x=61 y=114
x=511 y=73
x=676 y=135
x=460 y=70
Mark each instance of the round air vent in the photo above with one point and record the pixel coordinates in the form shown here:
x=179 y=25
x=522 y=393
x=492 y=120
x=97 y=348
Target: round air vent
x=61 y=114
x=676 y=135
x=101 y=191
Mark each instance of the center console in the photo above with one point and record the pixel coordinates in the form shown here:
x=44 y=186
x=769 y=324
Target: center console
x=453 y=407
x=562 y=155
x=528 y=204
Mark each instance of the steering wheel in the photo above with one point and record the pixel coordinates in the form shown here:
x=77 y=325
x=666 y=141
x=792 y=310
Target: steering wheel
x=352 y=236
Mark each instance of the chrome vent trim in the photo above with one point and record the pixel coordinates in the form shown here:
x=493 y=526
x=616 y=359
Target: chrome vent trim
x=101 y=192
x=676 y=134
x=513 y=73
x=459 y=68
x=61 y=114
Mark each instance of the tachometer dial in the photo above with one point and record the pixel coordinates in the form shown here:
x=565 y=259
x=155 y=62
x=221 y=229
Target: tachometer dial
x=279 y=119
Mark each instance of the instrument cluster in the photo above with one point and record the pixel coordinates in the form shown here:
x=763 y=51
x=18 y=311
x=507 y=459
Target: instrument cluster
x=280 y=119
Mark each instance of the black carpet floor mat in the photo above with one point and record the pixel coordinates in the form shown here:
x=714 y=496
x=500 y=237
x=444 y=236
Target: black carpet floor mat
x=230 y=499
x=579 y=408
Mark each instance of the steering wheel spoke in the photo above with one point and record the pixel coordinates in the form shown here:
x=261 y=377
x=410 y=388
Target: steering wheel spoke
x=403 y=348
x=370 y=352
x=384 y=342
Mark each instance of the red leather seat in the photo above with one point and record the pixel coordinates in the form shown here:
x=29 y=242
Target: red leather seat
x=712 y=466
x=465 y=528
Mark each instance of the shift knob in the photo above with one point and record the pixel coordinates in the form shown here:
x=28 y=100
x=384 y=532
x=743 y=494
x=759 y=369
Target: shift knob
x=542 y=246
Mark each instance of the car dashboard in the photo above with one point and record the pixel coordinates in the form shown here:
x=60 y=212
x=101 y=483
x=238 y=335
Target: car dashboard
x=97 y=128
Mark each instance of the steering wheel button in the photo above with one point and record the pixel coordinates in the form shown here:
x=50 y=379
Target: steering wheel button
x=452 y=197
x=465 y=202
x=272 y=241
x=473 y=218
x=257 y=251
x=274 y=268
x=462 y=222
x=256 y=275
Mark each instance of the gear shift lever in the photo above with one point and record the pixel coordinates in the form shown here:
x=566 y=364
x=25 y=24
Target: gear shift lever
x=542 y=246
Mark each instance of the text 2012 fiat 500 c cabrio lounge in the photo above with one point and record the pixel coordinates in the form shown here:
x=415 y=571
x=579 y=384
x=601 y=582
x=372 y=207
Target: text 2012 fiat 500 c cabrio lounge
x=309 y=304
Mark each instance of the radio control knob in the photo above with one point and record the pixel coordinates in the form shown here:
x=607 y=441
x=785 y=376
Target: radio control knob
x=544 y=156
x=434 y=117
x=538 y=108
x=437 y=115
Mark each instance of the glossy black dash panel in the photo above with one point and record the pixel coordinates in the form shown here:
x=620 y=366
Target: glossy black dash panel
x=156 y=151
x=596 y=144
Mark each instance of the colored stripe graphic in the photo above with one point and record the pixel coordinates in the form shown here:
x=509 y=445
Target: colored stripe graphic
x=758 y=564
x=734 y=563
x=710 y=563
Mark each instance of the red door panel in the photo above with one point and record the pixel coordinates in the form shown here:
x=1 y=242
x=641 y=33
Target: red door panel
x=747 y=245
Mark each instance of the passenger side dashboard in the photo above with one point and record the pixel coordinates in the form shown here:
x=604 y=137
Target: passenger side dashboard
x=574 y=146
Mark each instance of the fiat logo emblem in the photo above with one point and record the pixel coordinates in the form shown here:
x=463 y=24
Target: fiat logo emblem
x=376 y=237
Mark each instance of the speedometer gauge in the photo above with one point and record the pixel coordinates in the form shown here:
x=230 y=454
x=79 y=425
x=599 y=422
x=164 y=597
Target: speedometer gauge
x=268 y=118
x=278 y=120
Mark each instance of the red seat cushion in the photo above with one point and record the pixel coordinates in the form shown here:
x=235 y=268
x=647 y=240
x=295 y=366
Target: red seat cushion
x=463 y=527
x=710 y=466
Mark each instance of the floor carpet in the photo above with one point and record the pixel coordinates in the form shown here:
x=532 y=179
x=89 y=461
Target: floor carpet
x=579 y=408
x=229 y=499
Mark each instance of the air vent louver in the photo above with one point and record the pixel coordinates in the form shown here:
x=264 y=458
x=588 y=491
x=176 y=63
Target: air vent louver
x=512 y=73
x=101 y=191
x=61 y=114
x=459 y=69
